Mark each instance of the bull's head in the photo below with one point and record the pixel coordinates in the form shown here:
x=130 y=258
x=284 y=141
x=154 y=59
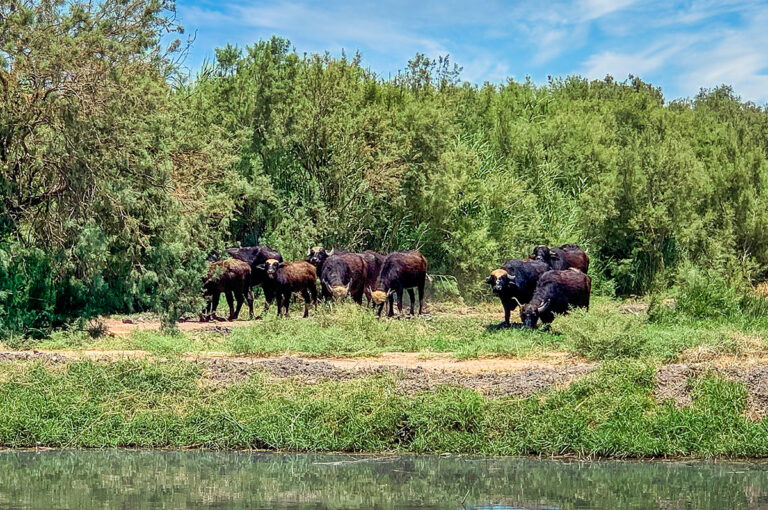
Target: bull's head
x=271 y=267
x=379 y=296
x=542 y=253
x=317 y=255
x=500 y=280
x=530 y=313
x=339 y=292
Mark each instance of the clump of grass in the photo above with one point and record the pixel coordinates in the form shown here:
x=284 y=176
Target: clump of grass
x=348 y=330
x=172 y=344
x=604 y=334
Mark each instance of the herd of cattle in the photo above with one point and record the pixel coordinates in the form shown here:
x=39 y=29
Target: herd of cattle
x=549 y=282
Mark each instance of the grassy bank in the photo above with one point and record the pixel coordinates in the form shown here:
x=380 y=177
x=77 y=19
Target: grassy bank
x=610 y=412
x=611 y=329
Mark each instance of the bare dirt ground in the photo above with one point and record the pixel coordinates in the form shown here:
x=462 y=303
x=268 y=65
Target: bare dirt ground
x=675 y=381
x=120 y=326
x=415 y=372
x=518 y=377
x=124 y=327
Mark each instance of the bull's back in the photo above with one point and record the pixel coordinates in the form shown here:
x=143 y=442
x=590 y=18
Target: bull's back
x=408 y=268
x=230 y=274
x=577 y=286
x=373 y=263
x=571 y=257
x=563 y=288
x=297 y=275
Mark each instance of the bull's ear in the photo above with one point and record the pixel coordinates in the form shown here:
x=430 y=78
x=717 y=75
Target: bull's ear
x=261 y=267
x=489 y=280
x=282 y=264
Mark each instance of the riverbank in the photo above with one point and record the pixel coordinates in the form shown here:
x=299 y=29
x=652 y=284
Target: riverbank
x=623 y=408
x=617 y=381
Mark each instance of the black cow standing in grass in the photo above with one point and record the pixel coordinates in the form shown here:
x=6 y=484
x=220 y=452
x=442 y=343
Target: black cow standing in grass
x=256 y=257
x=283 y=279
x=233 y=278
x=317 y=255
x=563 y=257
x=515 y=282
x=343 y=275
x=403 y=270
x=556 y=292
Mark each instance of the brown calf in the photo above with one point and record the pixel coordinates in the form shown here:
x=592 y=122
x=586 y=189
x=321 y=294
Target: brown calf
x=233 y=278
x=283 y=279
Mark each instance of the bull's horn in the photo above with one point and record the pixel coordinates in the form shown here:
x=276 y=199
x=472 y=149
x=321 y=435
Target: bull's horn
x=330 y=253
x=349 y=285
x=543 y=308
x=518 y=302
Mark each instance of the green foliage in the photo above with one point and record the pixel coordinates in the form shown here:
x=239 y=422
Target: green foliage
x=110 y=198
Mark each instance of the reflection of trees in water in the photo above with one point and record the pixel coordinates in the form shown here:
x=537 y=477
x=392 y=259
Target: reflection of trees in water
x=78 y=479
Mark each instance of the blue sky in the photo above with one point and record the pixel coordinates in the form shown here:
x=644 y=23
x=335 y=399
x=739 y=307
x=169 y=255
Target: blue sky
x=680 y=46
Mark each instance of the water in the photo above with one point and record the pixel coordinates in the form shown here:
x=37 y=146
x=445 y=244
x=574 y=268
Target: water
x=156 y=479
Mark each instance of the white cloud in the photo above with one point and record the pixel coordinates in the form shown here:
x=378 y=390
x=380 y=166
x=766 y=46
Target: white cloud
x=734 y=57
x=593 y=9
x=712 y=54
x=620 y=65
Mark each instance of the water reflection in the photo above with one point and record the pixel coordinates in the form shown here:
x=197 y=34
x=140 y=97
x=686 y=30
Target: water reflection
x=152 y=479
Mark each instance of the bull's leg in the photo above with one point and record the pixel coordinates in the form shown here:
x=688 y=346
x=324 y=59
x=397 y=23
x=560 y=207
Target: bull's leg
x=381 y=307
x=249 y=297
x=214 y=303
x=230 y=302
x=287 y=302
x=240 y=298
x=210 y=306
x=358 y=297
x=399 y=301
x=269 y=295
x=391 y=305
x=307 y=300
x=412 y=297
x=313 y=293
x=327 y=297
x=422 y=282
x=278 y=302
x=507 y=309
